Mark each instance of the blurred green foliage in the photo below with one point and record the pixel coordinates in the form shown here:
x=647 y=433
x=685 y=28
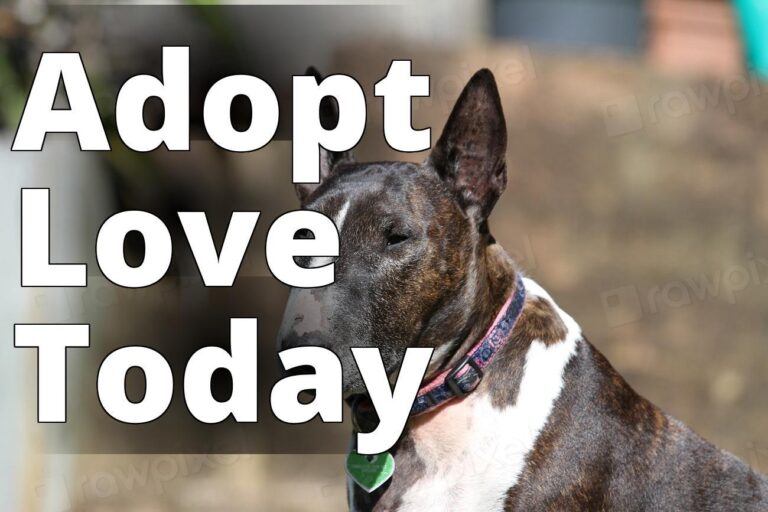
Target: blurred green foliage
x=12 y=94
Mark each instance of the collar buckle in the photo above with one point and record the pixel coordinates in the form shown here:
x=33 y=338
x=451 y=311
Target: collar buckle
x=451 y=379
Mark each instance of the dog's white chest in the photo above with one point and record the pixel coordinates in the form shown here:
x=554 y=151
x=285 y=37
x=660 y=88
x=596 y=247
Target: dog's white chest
x=468 y=468
x=474 y=452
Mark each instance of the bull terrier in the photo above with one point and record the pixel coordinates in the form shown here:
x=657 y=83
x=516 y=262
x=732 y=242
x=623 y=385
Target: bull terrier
x=518 y=411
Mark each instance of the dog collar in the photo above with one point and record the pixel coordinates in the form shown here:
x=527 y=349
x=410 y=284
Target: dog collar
x=460 y=380
x=463 y=378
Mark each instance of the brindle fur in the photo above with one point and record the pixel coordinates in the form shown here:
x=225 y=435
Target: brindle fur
x=604 y=447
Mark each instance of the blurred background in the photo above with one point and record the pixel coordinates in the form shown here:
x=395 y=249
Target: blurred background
x=638 y=196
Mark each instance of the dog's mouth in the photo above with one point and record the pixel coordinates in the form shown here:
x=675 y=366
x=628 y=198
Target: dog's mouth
x=361 y=393
x=358 y=399
x=364 y=417
x=354 y=395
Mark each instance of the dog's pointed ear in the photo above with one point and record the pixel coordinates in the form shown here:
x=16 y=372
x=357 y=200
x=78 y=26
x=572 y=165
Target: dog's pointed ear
x=470 y=154
x=329 y=117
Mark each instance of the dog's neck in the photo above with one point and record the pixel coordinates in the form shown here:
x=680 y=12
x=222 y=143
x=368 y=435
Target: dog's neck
x=496 y=284
x=494 y=281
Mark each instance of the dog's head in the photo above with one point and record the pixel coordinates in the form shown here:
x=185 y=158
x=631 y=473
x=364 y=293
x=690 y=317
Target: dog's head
x=413 y=239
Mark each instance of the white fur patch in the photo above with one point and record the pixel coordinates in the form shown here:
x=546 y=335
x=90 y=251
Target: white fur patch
x=341 y=216
x=339 y=219
x=304 y=313
x=474 y=452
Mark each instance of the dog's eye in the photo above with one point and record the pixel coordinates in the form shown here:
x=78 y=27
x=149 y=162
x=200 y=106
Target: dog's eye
x=304 y=234
x=396 y=238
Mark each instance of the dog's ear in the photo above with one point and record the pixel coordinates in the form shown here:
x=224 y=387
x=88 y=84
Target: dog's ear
x=329 y=117
x=470 y=154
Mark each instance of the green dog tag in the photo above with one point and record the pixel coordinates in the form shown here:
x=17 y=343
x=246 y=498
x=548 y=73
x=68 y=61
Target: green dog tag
x=370 y=471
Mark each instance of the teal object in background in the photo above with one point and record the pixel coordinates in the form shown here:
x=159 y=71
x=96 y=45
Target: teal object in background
x=753 y=16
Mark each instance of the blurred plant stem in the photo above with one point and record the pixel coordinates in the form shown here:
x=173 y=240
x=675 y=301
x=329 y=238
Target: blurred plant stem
x=11 y=92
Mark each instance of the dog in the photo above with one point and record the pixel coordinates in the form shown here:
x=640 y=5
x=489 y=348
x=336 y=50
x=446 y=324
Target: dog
x=519 y=412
